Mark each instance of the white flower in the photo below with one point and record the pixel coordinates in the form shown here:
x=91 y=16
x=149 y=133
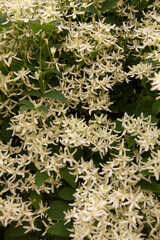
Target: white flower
x=53 y=50
x=156 y=82
x=141 y=70
x=21 y=74
x=134 y=199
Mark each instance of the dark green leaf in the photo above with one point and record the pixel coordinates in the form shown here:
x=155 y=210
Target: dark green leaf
x=24 y=237
x=43 y=109
x=13 y=232
x=152 y=186
x=27 y=103
x=35 y=25
x=65 y=174
x=30 y=237
x=67 y=57
x=79 y=153
x=144 y=159
x=131 y=141
x=66 y=193
x=57 y=208
x=91 y=9
x=135 y=1
x=60 y=229
x=35 y=198
x=50 y=25
x=124 y=105
x=35 y=93
x=97 y=159
x=156 y=107
x=154 y=119
x=81 y=64
x=123 y=89
x=40 y=178
x=56 y=95
x=3 y=18
x=6 y=134
x=61 y=238
x=108 y=4
x=112 y=20
x=119 y=126
x=145 y=106
x=114 y=109
x=113 y=151
x=54 y=81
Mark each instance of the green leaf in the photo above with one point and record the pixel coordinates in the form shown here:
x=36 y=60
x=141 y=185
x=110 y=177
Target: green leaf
x=60 y=229
x=24 y=108
x=61 y=238
x=35 y=198
x=67 y=57
x=35 y=93
x=24 y=237
x=146 y=173
x=66 y=193
x=134 y=1
x=153 y=186
x=124 y=105
x=27 y=103
x=112 y=20
x=57 y=208
x=144 y=159
x=113 y=151
x=114 y=109
x=13 y=232
x=150 y=61
x=43 y=109
x=145 y=106
x=119 y=126
x=123 y=89
x=108 y=4
x=3 y=18
x=154 y=119
x=56 y=95
x=40 y=178
x=53 y=70
x=79 y=153
x=91 y=9
x=131 y=141
x=35 y=25
x=156 y=107
x=30 y=237
x=65 y=174
x=81 y=64
x=6 y=134
x=50 y=25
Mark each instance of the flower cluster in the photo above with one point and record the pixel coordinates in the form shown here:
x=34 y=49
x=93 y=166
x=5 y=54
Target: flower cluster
x=79 y=128
x=110 y=203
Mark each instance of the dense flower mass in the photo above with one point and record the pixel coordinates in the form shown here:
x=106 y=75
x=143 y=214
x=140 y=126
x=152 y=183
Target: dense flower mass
x=79 y=127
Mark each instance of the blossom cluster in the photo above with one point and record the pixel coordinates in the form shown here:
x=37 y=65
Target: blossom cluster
x=66 y=68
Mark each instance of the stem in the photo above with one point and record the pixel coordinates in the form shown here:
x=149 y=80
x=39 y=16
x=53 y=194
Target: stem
x=146 y=89
x=41 y=82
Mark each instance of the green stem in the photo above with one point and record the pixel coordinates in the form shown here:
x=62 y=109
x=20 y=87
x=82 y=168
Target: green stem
x=41 y=82
x=146 y=89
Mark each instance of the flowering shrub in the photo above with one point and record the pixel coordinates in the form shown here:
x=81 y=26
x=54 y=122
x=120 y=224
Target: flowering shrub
x=79 y=128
